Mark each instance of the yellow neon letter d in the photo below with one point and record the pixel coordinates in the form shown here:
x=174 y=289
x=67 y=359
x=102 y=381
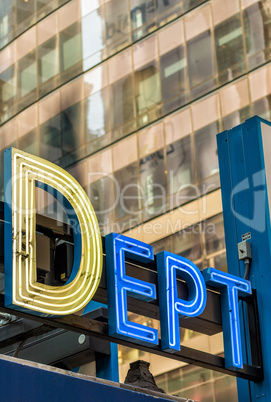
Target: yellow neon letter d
x=22 y=291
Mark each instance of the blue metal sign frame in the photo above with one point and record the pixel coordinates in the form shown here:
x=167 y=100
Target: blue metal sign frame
x=245 y=175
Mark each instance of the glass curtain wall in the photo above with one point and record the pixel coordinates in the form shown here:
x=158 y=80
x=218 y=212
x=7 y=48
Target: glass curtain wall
x=128 y=96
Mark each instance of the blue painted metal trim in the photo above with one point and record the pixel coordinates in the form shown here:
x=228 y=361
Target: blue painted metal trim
x=19 y=381
x=77 y=236
x=8 y=225
x=107 y=367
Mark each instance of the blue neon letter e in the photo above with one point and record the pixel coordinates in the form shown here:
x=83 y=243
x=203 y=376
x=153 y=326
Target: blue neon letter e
x=119 y=285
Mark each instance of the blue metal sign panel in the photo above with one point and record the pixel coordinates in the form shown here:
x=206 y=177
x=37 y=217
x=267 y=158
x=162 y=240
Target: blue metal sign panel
x=245 y=166
x=24 y=382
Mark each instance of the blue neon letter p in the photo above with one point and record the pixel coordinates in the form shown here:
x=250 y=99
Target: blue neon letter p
x=171 y=307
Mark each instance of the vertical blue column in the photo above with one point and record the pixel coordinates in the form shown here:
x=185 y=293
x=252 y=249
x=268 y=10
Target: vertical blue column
x=244 y=172
x=107 y=367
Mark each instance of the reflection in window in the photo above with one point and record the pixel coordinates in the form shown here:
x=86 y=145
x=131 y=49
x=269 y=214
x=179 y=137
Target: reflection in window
x=225 y=389
x=201 y=64
x=262 y=107
x=190 y=4
x=122 y=104
x=27 y=74
x=101 y=194
x=72 y=124
x=128 y=202
x=219 y=262
x=44 y=7
x=229 y=49
x=154 y=184
x=25 y=14
x=50 y=140
x=146 y=15
x=148 y=93
x=18 y=15
x=71 y=51
x=29 y=143
x=93 y=38
x=257 y=25
x=142 y=17
x=174 y=79
x=205 y=391
x=214 y=234
x=6 y=22
x=187 y=242
x=180 y=168
x=236 y=118
x=167 y=10
x=48 y=63
x=97 y=114
x=161 y=245
x=206 y=151
x=117 y=25
x=199 y=383
x=8 y=90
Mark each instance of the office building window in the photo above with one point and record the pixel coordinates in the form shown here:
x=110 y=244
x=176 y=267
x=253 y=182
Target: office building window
x=72 y=128
x=8 y=89
x=167 y=10
x=44 y=7
x=180 y=169
x=97 y=114
x=50 y=139
x=48 y=62
x=117 y=25
x=148 y=93
x=262 y=107
x=206 y=151
x=93 y=26
x=236 y=118
x=71 y=51
x=142 y=17
x=229 y=49
x=192 y=382
x=190 y=4
x=25 y=15
x=122 y=105
x=215 y=243
x=214 y=234
x=29 y=142
x=7 y=22
x=27 y=74
x=201 y=65
x=102 y=197
x=187 y=242
x=164 y=244
x=257 y=24
x=128 y=196
x=174 y=79
x=154 y=184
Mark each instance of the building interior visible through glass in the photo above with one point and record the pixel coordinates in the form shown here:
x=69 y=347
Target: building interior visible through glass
x=128 y=96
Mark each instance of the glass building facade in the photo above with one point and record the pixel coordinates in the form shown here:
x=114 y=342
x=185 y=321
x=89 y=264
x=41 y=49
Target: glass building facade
x=128 y=96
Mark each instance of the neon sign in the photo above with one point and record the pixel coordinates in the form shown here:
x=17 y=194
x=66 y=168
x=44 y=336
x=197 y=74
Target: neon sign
x=22 y=173
x=22 y=291
x=119 y=285
x=169 y=266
